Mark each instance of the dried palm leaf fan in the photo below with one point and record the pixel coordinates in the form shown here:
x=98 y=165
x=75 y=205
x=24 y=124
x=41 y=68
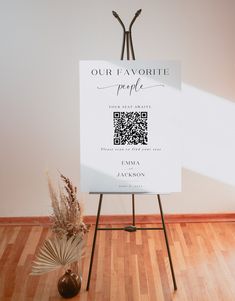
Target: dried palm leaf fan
x=56 y=253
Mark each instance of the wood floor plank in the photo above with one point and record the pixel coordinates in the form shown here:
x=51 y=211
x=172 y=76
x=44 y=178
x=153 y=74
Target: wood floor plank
x=31 y=244
x=128 y=266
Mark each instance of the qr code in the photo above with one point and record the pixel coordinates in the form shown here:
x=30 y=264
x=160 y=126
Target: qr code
x=130 y=128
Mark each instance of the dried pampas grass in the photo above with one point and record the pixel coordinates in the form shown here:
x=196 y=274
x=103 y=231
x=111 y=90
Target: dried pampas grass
x=67 y=217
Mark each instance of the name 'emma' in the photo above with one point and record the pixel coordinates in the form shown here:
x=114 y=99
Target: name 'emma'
x=130 y=163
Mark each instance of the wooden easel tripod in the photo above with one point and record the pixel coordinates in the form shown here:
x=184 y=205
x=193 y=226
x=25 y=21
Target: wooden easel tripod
x=127 y=40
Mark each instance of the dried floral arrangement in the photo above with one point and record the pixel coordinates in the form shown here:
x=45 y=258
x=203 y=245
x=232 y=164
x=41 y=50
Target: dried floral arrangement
x=67 y=243
x=67 y=215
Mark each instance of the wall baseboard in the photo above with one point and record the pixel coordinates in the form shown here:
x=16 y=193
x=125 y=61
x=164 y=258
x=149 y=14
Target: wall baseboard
x=127 y=219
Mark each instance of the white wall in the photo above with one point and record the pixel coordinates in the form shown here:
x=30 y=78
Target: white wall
x=41 y=44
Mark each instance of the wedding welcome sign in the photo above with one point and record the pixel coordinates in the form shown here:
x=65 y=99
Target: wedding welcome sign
x=129 y=126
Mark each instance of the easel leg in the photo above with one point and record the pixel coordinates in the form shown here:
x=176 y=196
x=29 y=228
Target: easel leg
x=133 y=209
x=94 y=241
x=167 y=244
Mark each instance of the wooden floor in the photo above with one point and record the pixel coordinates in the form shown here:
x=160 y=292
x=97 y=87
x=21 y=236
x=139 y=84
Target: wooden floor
x=129 y=266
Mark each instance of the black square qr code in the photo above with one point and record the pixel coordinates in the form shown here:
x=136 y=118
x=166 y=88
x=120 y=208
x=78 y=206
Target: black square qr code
x=130 y=128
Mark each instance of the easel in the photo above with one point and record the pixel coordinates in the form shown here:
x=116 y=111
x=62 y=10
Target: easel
x=127 y=40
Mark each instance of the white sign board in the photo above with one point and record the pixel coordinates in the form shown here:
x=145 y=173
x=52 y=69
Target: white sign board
x=129 y=126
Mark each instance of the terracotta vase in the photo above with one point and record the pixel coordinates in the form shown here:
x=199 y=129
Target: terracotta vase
x=69 y=284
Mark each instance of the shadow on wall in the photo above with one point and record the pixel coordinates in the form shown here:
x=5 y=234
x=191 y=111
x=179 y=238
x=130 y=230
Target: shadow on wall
x=200 y=194
x=208 y=134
